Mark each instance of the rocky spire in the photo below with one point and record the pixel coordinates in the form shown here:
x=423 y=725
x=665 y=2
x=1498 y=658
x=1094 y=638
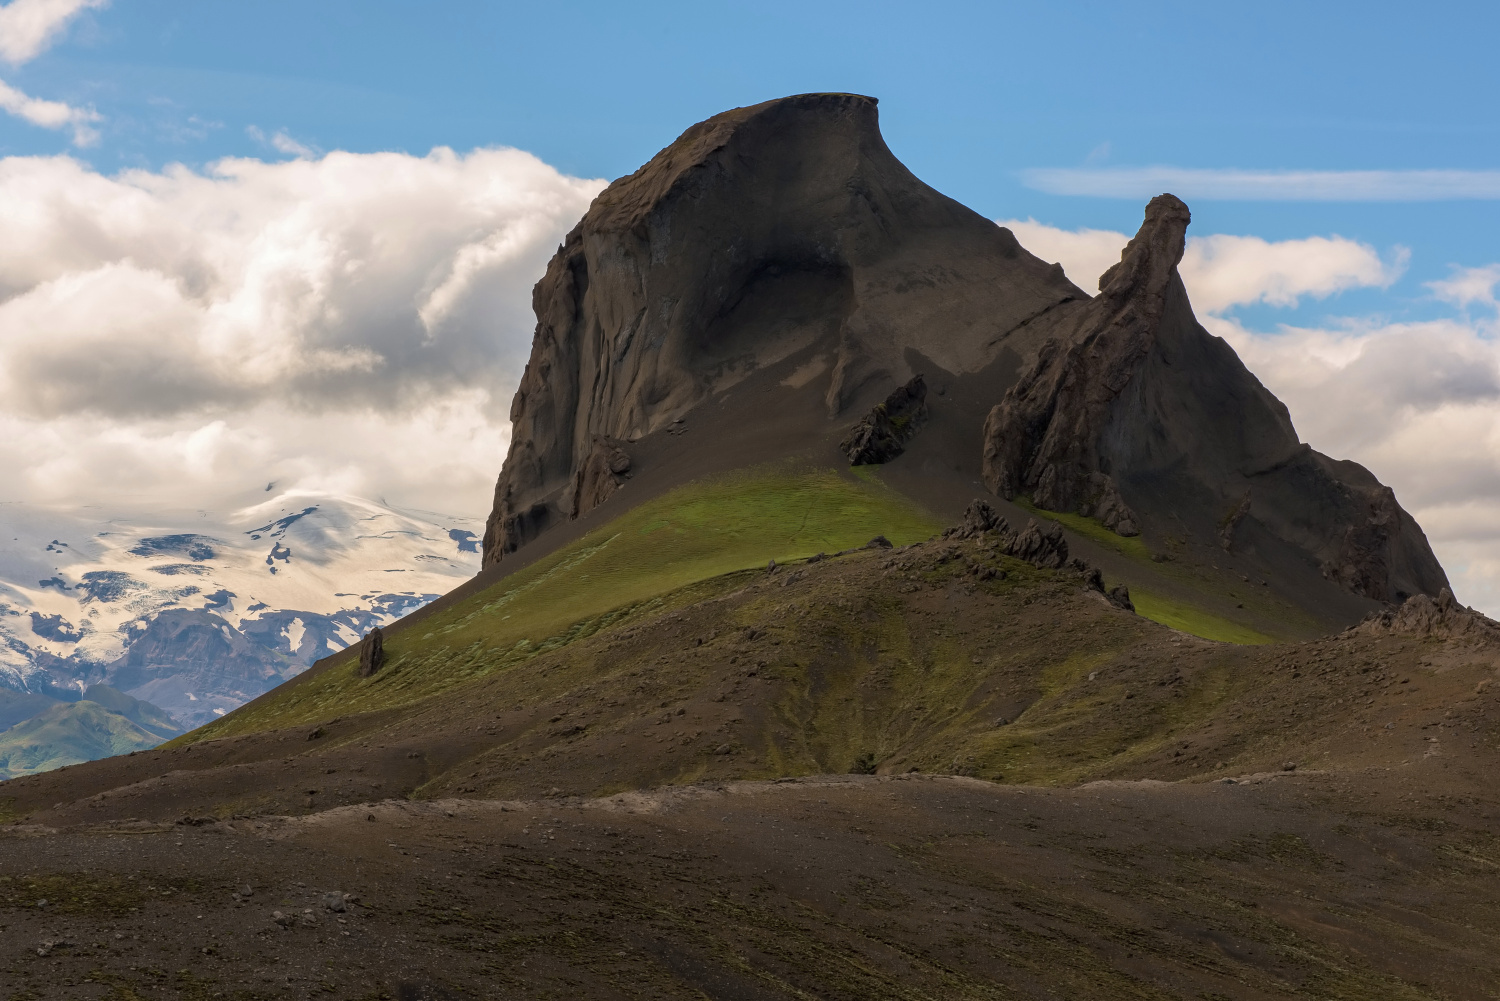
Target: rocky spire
x=1132 y=406
x=1044 y=438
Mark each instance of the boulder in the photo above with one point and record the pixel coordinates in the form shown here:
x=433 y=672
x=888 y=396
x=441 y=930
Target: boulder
x=1041 y=545
x=371 y=652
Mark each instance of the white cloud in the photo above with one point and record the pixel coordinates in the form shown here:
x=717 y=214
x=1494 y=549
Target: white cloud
x=1223 y=271
x=1084 y=254
x=280 y=142
x=1267 y=185
x=1417 y=403
x=29 y=27
x=1469 y=287
x=355 y=322
x=51 y=114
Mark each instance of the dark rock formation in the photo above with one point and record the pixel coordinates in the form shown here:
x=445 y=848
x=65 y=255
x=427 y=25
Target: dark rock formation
x=788 y=231
x=1119 y=595
x=883 y=433
x=1041 y=545
x=604 y=468
x=758 y=233
x=979 y=518
x=371 y=652
x=1131 y=404
x=1440 y=618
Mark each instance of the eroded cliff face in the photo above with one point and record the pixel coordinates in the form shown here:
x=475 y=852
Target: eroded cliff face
x=1131 y=401
x=756 y=234
x=789 y=227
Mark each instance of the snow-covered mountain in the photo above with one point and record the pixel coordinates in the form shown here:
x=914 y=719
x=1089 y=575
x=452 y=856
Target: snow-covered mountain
x=198 y=613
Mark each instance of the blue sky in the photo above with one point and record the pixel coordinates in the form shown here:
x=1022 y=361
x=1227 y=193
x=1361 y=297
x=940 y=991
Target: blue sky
x=972 y=94
x=1342 y=162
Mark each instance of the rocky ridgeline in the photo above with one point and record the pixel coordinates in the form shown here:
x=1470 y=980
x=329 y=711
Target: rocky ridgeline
x=1130 y=403
x=1040 y=545
x=1441 y=618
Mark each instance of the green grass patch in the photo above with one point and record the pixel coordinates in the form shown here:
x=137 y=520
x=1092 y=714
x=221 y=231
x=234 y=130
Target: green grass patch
x=1090 y=528
x=1191 y=619
x=699 y=532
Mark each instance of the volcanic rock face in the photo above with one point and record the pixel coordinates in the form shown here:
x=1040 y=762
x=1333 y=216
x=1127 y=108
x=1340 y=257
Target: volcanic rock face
x=789 y=228
x=883 y=433
x=1133 y=399
x=756 y=234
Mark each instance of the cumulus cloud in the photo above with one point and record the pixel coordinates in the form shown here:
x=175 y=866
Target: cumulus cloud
x=1223 y=271
x=29 y=27
x=1084 y=254
x=357 y=317
x=1416 y=402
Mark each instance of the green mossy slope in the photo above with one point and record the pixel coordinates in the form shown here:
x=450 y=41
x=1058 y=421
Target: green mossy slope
x=694 y=534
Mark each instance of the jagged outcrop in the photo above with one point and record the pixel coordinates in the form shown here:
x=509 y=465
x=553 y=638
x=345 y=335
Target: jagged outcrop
x=1131 y=401
x=979 y=518
x=1441 y=618
x=882 y=434
x=756 y=234
x=1041 y=545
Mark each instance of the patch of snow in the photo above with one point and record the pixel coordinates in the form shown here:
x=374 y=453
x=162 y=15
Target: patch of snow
x=295 y=630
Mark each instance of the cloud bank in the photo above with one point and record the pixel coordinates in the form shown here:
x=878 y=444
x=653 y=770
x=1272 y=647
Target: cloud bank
x=355 y=322
x=1141 y=183
x=1418 y=403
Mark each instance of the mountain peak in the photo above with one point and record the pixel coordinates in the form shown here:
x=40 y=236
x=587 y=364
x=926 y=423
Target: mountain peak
x=760 y=233
x=780 y=264
x=1131 y=407
x=629 y=201
x=1150 y=259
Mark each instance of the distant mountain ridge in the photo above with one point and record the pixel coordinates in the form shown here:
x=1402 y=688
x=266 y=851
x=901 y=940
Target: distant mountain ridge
x=202 y=615
x=104 y=722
